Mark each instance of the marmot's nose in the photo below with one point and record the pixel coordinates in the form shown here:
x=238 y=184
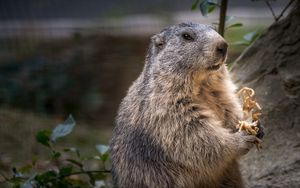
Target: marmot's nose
x=222 y=48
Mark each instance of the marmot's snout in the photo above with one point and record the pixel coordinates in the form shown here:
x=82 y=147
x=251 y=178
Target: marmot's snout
x=220 y=54
x=221 y=49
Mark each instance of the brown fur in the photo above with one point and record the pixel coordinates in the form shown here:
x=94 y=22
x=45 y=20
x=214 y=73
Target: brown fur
x=177 y=131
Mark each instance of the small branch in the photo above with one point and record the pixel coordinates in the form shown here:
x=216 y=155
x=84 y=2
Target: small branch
x=86 y=172
x=271 y=9
x=284 y=9
x=4 y=177
x=9 y=179
x=60 y=177
x=222 y=17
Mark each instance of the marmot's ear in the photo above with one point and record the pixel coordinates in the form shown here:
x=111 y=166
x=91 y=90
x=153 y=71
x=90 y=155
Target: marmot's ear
x=214 y=27
x=158 y=40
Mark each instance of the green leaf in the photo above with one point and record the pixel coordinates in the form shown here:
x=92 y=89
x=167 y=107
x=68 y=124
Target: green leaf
x=104 y=157
x=212 y=2
x=25 y=169
x=55 y=155
x=100 y=176
x=65 y=171
x=204 y=8
x=102 y=149
x=46 y=177
x=211 y=8
x=207 y=6
x=195 y=4
x=250 y=37
x=234 y=25
x=63 y=129
x=16 y=181
x=43 y=137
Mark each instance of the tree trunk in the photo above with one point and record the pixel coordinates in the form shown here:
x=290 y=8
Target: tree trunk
x=272 y=67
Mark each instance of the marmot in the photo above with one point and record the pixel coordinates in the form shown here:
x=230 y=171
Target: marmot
x=176 y=126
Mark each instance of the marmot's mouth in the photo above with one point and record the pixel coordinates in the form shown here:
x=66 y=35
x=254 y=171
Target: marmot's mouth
x=214 y=67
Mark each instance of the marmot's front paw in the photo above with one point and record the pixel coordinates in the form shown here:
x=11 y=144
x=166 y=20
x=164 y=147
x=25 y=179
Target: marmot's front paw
x=260 y=133
x=244 y=142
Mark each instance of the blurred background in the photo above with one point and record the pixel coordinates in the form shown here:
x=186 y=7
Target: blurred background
x=60 y=57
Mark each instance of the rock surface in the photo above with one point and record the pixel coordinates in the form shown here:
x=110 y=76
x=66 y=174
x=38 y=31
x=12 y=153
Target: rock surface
x=271 y=66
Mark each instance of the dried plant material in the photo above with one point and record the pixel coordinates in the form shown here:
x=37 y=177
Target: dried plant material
x=250 y=128
x=252 y=113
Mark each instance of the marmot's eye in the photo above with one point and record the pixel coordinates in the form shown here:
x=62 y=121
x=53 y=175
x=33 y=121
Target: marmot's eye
x=187 y=36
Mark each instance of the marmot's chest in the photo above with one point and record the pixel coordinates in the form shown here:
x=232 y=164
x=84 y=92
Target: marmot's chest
x=211 y=92
x=216 y=102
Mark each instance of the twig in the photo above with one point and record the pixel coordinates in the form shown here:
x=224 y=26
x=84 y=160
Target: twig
x=60 y=177
x=87 y=172
x=4 y=177
x=222 y=17
x=271 y=9
x=284 y=9
x=276 y=18
x=9 y=179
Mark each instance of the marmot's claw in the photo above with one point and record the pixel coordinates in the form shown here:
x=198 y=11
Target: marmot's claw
x=260 y=133
x=245 y=142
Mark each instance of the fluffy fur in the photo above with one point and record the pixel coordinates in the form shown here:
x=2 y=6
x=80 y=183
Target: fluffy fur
x=176 y=126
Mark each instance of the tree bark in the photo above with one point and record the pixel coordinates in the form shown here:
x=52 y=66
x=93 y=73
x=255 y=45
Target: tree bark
x=272 y=67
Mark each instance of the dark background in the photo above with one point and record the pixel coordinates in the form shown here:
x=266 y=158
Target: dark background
x=60 y=57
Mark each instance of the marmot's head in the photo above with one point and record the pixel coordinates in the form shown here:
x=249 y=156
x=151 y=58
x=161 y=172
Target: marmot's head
x=187 y=47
